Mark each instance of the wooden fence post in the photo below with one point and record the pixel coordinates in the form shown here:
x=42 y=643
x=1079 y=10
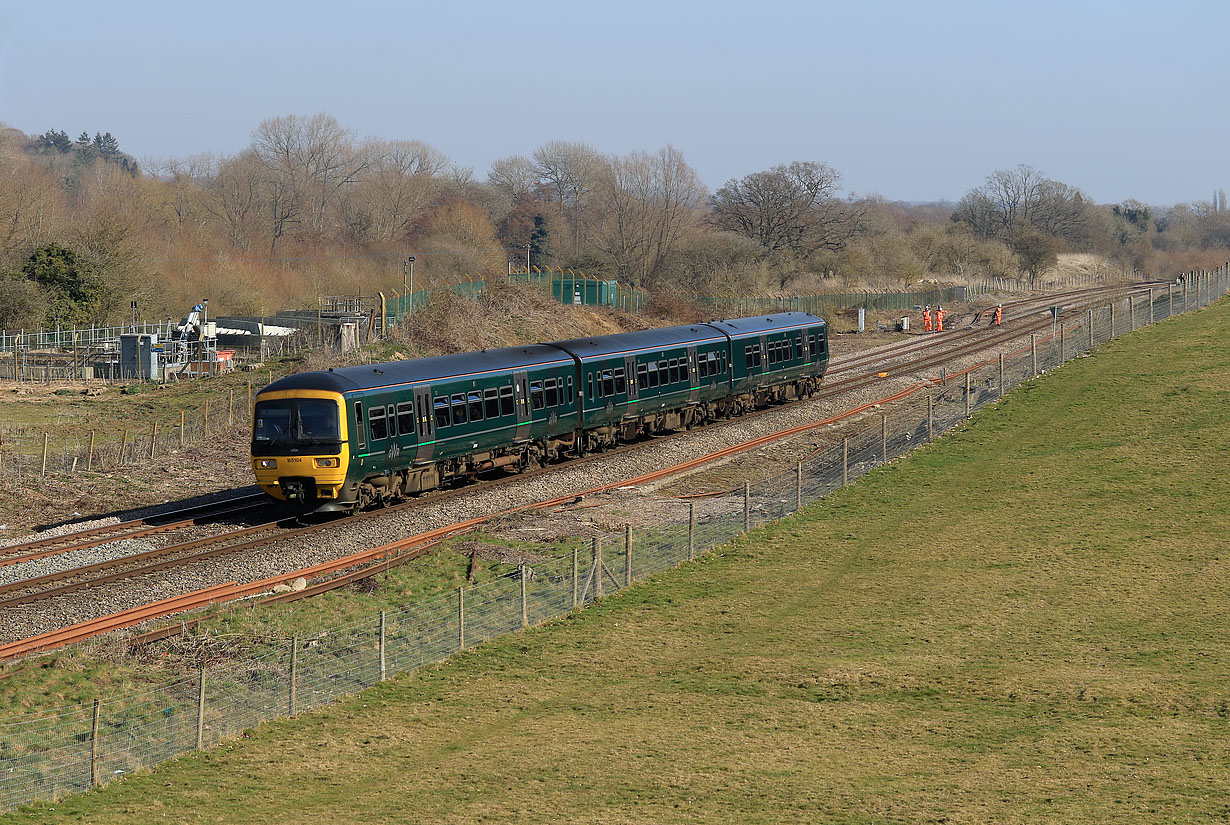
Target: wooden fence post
x=747 y=506
x=200 y=709
x=45 y=439
x=845 y=462
x=89 y=459
x=691 y=531
x=597 y=568
x=1062 y=342
x=94 y=744
x=1112 y=319
x=383 y=669
x=798 y=486
x=294 y=671
x=525 y=610
x=575 y=573
x=1150 y=305
x=230 y=408
x=153 y=440
x=205 y=426
x=967 y=396
x=1033 y=350
x=181 y=429
x=884 y=438
x=627 y=555
x=123 y=446
x=1001 y=375
x=930 y=419
x=1089 y=320
x=461 y=618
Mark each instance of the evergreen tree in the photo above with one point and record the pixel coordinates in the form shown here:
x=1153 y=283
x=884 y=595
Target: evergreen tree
x=83 y=140
x=107 y=145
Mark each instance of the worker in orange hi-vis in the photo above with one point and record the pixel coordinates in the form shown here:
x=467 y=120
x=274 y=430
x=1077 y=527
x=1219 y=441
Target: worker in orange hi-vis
x=999 y=315
x=939 y=319
x=927 y=319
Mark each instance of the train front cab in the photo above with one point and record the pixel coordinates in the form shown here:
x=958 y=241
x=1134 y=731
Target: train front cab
x=300 y=449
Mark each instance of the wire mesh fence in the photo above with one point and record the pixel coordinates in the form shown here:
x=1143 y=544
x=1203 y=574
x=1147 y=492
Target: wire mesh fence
x=62 y=448
x=58 y=751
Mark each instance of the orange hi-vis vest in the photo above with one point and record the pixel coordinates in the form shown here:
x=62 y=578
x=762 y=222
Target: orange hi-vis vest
x=999 y=315
x=939 y=320
x=926 y=320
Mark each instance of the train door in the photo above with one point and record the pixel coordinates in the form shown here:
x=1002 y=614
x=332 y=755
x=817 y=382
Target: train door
x=521 y=398
x=424 y=417
x=693 y=375
x=764 y=354
x=630 y=372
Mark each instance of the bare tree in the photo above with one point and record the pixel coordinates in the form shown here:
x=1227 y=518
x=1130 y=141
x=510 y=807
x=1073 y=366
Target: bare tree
x=397 y=187
x=31 y=204
x=1023 y=196
x=569 y=171
x=307 y=162
x=517 y=175
x=645 y=203
x=789 y=208
x=236 y=192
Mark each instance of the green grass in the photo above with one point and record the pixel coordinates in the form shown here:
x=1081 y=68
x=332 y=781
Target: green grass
x=1023 y=623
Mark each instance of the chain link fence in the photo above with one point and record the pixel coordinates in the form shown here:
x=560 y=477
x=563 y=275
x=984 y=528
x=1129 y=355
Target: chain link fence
x=59 y=751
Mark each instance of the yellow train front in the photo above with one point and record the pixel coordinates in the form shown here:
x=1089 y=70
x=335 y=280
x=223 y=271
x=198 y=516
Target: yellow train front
x=300 y=449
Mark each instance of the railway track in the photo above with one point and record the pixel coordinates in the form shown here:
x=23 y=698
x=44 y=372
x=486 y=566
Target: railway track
x=938 y=349
x=131 y=529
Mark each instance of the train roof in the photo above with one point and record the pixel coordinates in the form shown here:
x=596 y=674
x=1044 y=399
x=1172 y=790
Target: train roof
x=648 y=339
x=422 y=370
x=761 y=324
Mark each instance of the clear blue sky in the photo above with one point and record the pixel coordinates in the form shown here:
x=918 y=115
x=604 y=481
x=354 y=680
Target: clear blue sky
x=910 y=100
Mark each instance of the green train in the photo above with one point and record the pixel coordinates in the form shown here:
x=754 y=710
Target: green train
x=349 y=438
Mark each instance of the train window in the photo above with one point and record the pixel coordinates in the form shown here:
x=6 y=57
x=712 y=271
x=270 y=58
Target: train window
x=536 y=400
x=824 y=342
x=642 y=375
x=621 y=381
x=551 y=391
x=590 y=380
x=443 y=417
x=608 y=383
x=405 y=419
x=476 y=405
x=491 y=398
x=651 y=374
x=379 y=426
x=358 y=420
x=664 y=374
x=672 y=371
x=459 y=409
x=702 y=365
x=506 y=401
x=570 y=395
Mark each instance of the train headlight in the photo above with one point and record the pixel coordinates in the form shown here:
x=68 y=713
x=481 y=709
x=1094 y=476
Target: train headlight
x=267 y=463
x=327 y=462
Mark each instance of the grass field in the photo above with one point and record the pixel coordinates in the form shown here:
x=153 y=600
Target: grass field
x=1023 y=623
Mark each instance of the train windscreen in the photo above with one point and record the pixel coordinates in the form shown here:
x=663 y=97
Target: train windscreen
x=296 y=425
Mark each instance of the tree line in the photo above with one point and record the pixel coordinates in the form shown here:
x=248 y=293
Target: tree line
x=309 y=208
